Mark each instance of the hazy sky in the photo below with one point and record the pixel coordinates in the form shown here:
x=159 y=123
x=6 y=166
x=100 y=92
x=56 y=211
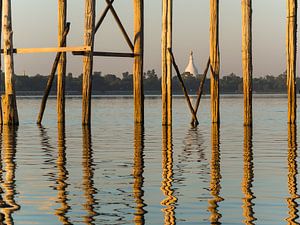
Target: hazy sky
x=35 y=25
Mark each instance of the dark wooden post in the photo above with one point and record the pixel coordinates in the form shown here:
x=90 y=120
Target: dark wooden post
x=61 y=68
x=9 y=104
x=291 y=46
x=138 y=94
x=89 y=28
x=214 y=60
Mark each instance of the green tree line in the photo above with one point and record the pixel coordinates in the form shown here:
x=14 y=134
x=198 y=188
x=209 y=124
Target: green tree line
x=112 y=84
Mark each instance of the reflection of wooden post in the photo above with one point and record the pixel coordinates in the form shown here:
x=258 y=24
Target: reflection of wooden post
x=62 y=176
x=167 y=174
x=61 y=68
x=214 y=60
x=291 y=46
x=9 y=104
x=89 y=28
x=138 y=61
x=292 y=175
x=247 y=59
x=138 y=170
x=215 y=173
x=9 y=153
x=166 y=84
x=248 y=177
x=88 y=175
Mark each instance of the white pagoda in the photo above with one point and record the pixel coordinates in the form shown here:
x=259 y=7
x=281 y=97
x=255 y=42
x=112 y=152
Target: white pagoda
x=191 y=68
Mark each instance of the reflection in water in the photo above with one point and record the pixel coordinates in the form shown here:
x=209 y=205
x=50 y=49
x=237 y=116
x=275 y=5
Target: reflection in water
x=9 y=186
x=292 y=175
x=88 y=176
x=62 y=176
x=248 y=177
x=167 y=175
x=138 y=169
x=215 y=173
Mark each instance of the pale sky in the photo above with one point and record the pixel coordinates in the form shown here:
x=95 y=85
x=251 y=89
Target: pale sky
x=35 y=25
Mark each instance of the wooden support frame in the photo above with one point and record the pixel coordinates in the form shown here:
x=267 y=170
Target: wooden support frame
x=107 y=54
x=49 y=50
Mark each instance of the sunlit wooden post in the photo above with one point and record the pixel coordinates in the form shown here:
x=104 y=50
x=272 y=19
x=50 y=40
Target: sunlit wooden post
x=1 y=118
x=61 y=68
x=166 y=43
x=214 y=60
x=138 y=93
x=9 y=104
x=291 y=46
x=89 y=28
x=247 y=59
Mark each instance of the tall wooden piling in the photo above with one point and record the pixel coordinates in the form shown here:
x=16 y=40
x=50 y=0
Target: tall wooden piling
x=89 y=32
x=166 y=43
x=291 y=46
x=247 y=59
x=9 y=104
x=138 y=92
x=1 y=118
x=61 y=68
x=214 y=60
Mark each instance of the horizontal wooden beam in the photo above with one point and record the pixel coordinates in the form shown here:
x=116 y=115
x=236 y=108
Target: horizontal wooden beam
x=45 y=50
x=107 y=54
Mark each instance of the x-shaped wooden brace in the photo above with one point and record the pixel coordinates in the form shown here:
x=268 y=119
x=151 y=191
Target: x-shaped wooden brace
x=194 y=109
x=115 y=15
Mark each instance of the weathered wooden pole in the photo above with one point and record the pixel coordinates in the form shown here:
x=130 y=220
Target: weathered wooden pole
x=247 y=59
x=61 y=68
x=166 y=43
x=214 y=60
x=89 y=32
x=138 y=93
x=1 y=118
x=291 y=46
x=9 y=104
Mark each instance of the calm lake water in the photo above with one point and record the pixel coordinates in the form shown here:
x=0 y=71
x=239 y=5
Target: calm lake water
x=116 y=173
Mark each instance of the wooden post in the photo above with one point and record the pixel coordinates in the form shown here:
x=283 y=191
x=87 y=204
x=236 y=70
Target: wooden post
x=61 y=68
x=164 y=53
x=89 y=33
x=138 y=61
x=169 y=61
x=214 y=60
x=9 y=103
x=247 y=59
x=1 y=117
x=291 y=46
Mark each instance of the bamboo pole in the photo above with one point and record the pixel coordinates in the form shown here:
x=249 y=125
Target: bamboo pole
x=61 y=68
x=51 y=77
x=138 y=61
x=89 y=32
x=169 y=61
x=184 y=89
x=214 y=60
x=291 y=46
x=200 y=90
x=164 y=70
x=9 y=104
x=247 y=59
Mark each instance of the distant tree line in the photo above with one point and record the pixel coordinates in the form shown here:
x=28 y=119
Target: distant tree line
x=111 y=84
